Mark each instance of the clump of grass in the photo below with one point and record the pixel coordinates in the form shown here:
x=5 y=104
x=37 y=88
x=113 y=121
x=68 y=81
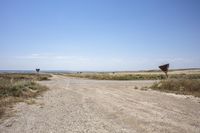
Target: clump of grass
x=179 y=86
x=19 y=88
x=15 y=88
x=41 y=78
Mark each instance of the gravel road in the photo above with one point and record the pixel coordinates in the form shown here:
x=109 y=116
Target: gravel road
x=89 y=106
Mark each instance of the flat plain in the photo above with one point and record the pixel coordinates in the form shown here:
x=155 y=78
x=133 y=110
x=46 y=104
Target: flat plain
x=104 y=106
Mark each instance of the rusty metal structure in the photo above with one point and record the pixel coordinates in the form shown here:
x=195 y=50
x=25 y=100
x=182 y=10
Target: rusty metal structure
x=165 y=69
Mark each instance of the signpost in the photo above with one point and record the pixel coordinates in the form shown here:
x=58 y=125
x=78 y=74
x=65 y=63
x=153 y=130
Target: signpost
x=165 y=69
x=37 y=70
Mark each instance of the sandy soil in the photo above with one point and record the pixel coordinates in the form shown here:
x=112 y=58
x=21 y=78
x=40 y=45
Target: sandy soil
x=89 y=106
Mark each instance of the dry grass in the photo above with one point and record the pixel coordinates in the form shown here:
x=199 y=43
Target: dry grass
x=179 y=86
x=111 y=76
x=19 y=87
x=25 y=76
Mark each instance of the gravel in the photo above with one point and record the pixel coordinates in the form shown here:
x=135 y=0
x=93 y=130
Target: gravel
x=89 y=106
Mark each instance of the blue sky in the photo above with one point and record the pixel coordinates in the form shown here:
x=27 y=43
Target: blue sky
x=103 y=35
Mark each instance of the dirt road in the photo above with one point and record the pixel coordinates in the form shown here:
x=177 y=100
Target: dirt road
x=89 y=106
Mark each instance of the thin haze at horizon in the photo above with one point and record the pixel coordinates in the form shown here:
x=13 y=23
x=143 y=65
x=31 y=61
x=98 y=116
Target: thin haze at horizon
x=99 y=35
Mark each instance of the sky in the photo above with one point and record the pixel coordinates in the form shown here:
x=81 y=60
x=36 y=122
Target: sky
x=99 y=35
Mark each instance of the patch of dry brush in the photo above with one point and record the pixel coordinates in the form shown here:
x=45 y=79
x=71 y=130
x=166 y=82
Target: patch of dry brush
x=108 y=76
x=19 y=87
x=179 y=86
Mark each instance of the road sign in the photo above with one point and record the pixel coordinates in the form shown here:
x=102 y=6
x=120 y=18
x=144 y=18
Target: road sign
x=165 y=69
x=37 y=70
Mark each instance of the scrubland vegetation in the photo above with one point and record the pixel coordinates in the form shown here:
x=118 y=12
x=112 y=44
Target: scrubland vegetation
x=19 y=87
x=179 y=86
x=118 y=76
